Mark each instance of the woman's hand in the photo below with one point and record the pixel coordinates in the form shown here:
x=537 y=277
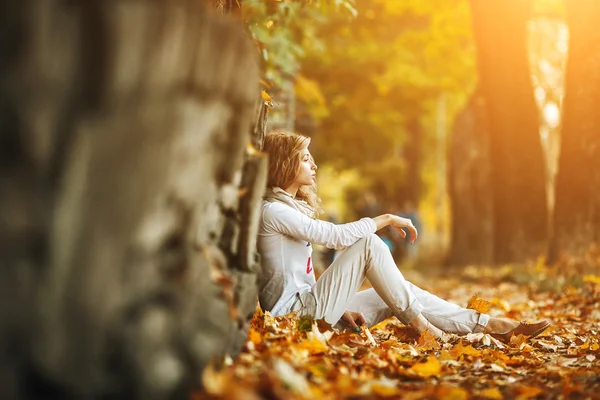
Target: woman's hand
x=354 y=319
x=397 y=223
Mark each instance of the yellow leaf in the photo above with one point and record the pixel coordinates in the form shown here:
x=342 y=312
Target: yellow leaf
x=265 y=96
x=431 y=367
x=478 y=304
x=595 y=347
x=452 y=393
x=500 y=303
x=527 y=392
x=313 y=345
x=254 y=336
x=384 y=390
x=592 y=279
x=446 y=356
x=380 y=326
x=459 y=350
x=470 y=351
x=491 y=393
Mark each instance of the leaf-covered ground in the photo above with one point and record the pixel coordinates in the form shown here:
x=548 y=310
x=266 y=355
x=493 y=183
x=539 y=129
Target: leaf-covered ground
x=289 y=359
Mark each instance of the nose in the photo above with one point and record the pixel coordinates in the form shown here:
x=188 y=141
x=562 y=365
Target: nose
x=314 y=166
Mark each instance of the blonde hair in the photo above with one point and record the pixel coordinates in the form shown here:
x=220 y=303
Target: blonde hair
x=285 y=154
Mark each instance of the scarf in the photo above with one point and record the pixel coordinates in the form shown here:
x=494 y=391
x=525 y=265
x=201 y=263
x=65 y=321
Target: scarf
x=280 y=195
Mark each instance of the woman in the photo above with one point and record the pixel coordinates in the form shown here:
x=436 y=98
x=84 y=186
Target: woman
x=287 y=283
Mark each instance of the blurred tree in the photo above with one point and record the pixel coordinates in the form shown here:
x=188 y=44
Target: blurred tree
x=381 y=75
x=469 y=186
x=517 y=167
x=120 y=165
x=577 y=211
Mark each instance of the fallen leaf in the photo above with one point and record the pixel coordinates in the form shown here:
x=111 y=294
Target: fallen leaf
x=432 y=367
x=459 y=350
x=313 y=345
x=491 y=393
x=427 y=342
x=365 y=331
x=254 y=336
x=527 y=392
x=478 y=304
x=451 y=393
x=265 y=96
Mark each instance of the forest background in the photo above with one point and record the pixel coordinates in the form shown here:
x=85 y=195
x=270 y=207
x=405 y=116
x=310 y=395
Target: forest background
x=130 y=189
x=448 y=110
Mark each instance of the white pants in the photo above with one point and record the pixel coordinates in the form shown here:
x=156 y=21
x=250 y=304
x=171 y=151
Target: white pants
x=337 y=291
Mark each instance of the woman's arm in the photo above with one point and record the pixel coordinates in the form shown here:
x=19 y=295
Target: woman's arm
x=397 y=223
x=283 y=219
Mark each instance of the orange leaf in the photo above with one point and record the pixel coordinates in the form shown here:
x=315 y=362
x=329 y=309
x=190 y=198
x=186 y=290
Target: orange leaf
x=527 y=392
x=313 y=345
x=432 y=367
x=491 y=393
x=385 y=390
x=427 y=342
x=470 y=351
x=446 y=356
x=478 y=304
x=265 y=96
x=451 y=393
x=254 y=336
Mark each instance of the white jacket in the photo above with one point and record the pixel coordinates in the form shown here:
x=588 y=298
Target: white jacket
x=285 y=241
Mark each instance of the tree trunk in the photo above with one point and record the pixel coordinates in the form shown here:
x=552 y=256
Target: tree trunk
x=517 y=165
x=412 y=154
x=123 y=128
x=577 y=211
x=470 y=188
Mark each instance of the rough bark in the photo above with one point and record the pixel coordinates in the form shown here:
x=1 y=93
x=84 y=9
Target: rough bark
x=469 y=187
x=517 y=165
x=123 y=129
x=577 y=211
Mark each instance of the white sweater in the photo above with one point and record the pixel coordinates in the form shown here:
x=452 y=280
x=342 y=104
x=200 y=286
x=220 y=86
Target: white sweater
x=285 y=241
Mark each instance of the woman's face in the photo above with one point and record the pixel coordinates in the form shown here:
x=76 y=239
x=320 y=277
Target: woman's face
x=307 y=173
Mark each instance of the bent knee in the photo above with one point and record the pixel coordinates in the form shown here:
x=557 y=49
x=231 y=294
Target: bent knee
x=375 y=242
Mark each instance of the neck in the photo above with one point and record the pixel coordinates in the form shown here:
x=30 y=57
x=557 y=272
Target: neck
x=293 y=190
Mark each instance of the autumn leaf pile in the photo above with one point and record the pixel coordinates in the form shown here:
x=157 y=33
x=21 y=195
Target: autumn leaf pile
x=291 y=358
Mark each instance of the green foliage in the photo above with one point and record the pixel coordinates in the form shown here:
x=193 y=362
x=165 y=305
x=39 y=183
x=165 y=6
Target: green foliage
x=283 y=29
x=381 y=75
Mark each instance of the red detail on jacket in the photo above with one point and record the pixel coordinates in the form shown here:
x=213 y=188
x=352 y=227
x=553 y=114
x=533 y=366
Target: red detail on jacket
x=308 y=267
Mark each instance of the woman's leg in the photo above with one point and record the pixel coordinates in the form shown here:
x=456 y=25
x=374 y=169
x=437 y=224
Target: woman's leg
x=370 y=258
x=369 y=304
x=444 y=315
x=447 y=316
